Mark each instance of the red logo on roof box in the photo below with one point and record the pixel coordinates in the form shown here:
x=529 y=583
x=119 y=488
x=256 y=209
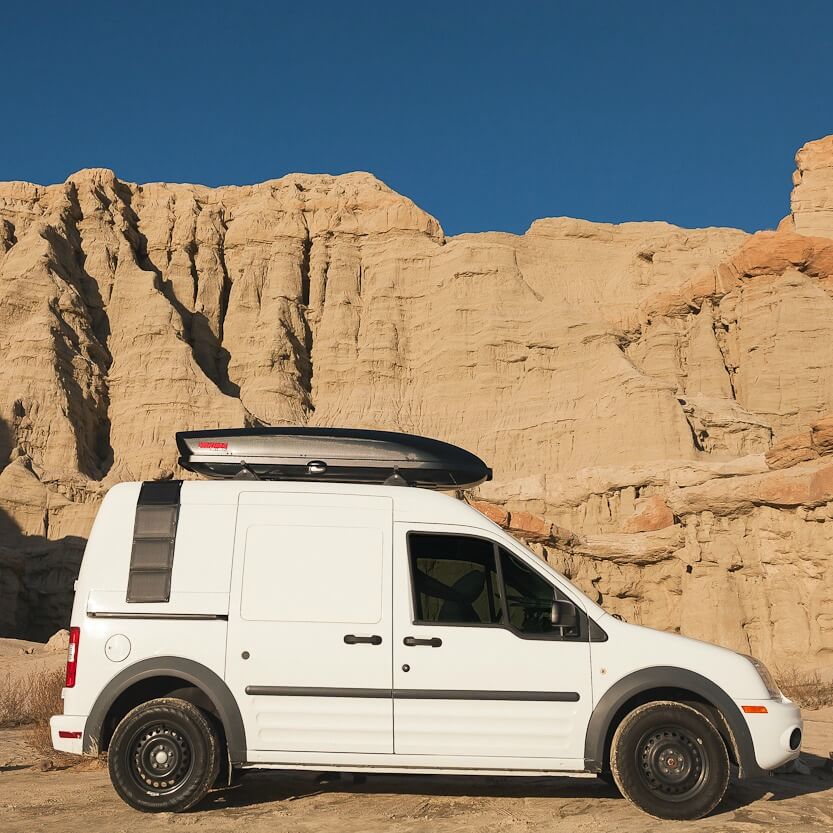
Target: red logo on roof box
x=213 y=445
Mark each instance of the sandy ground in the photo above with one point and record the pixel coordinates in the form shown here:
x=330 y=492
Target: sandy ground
x=81 y=798
x=19 y=658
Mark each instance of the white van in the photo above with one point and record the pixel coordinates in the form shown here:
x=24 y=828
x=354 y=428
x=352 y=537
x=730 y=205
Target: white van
x=358 y=626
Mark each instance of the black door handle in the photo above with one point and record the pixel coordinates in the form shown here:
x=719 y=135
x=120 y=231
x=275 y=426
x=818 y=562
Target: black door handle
x=352 y=639
x=434 y=642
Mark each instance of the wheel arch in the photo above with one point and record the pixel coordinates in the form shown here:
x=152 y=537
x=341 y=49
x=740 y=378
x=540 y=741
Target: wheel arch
x=668 y=683
x=164 y=676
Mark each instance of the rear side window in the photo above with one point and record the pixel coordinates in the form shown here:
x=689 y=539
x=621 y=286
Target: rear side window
x=454 y=579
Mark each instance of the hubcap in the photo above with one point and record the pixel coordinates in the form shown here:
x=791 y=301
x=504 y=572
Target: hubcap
x=161 y=758
x=672 y=762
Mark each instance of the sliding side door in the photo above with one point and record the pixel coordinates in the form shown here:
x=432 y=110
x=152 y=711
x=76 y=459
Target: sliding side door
x=309 y=636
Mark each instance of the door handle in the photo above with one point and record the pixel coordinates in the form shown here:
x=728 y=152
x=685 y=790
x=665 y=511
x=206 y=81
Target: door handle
x=434 y=642
x=352 y=639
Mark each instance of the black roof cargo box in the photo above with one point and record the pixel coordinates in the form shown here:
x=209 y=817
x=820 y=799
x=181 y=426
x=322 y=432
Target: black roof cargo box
x=331 y=455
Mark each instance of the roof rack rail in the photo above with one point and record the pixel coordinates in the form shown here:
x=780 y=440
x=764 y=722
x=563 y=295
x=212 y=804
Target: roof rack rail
x=330 y=455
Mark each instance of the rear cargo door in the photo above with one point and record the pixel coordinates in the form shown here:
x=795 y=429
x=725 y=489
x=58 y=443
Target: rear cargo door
x=309 y=638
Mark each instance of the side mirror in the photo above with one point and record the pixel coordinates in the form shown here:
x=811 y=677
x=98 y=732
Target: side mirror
x=564 y=615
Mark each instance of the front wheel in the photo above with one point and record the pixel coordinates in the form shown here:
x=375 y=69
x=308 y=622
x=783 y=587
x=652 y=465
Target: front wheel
x=164 y=756
x=670 y=761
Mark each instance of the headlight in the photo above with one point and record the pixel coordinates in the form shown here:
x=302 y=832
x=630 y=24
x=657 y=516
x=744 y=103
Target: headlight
x=766 y=678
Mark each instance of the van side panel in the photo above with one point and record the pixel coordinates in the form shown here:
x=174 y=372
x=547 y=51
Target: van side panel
x=204 y=547
x=104 y=567
x=117 y=634
x=200 y=641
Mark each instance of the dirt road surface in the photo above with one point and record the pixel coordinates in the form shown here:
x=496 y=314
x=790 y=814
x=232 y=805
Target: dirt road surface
x=81 y=799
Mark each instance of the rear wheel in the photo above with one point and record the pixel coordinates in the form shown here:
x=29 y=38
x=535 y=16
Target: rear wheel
x=669 y=760
x=164 y=756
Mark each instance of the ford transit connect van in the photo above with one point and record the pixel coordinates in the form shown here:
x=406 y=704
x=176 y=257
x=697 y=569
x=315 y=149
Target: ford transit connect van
x=307 y=609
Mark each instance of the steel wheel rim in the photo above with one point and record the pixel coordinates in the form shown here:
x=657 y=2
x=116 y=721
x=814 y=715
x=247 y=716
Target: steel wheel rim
x=160 y=758
x=673 y=763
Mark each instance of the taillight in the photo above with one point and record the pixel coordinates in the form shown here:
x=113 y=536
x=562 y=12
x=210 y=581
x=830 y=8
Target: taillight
x=72 y=656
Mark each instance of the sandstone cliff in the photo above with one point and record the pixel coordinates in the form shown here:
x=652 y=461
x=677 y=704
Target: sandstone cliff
x=652 y=399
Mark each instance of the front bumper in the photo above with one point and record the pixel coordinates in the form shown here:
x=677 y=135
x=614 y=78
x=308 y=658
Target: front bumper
x=773 y=733
x=67 y=731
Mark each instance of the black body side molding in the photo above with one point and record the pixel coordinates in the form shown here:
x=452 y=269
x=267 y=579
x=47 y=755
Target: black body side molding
x=414 y=693
x=189 y=672
x=669 y=677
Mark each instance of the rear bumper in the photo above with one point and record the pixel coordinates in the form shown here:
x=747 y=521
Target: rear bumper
x=67 y=732
x=773 y=733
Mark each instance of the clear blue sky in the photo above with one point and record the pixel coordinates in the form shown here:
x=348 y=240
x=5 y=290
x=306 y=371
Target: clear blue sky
x=488 y=115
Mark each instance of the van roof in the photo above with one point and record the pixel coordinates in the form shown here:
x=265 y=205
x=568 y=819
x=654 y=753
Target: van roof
x=410 y=504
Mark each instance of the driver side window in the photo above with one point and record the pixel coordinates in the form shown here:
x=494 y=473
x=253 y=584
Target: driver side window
x=454 y=579
x=462 y=580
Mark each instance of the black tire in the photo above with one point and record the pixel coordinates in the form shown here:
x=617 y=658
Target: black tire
x=670 y=761
x=164 y=756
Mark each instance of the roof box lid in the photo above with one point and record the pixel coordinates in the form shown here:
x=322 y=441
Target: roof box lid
x=333 y=455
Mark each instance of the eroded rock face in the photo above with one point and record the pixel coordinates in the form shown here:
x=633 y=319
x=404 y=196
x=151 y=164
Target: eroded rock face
x=812 y=196
x=816 y=442
x=655 y=401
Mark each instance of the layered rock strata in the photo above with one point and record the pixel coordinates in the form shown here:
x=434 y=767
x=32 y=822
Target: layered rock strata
x=655 y=402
